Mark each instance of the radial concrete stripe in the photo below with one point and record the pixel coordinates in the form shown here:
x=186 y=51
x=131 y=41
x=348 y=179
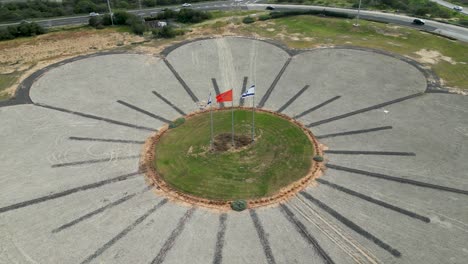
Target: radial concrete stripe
x=352 y=225
x=76 y=163
x=354 y=132
x=397 y=179
x=363 y=110
x=375 y=201
x=124 y=141
x=181 y=81
x=68 y=192
x=95 y=212
x=263 y=237
x=171 y=239
x=123 y=233
x=96 y=117
x=316 y=107
x=273 y=85
x=136 y=108
x=218 y=256
x=290 y=101
x=364 y=152
x=169 y=103
x=302 y=230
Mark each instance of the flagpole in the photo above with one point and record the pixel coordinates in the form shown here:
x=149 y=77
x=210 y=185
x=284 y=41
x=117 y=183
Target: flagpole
x=211 y=118
x=232 y=110
x=253 y=118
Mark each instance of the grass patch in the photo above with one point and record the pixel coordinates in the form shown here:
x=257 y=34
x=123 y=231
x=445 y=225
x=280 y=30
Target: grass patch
x=281 y=154
x=311 y=31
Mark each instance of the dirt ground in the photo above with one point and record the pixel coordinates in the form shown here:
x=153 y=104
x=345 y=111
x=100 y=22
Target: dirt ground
x=27 y=55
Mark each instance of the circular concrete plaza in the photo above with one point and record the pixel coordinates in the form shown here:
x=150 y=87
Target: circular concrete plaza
x=395 y=188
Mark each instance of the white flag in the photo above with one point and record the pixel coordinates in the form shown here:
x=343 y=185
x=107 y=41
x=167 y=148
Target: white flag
x=250 y=92
x=209 y=100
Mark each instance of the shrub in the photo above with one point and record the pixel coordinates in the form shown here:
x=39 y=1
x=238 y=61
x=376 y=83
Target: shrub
x=239 y=205
x=248 y=20
x=177 y=122
x=264 y=17
x=138 y=27
x=95 y=21
x=318 y=158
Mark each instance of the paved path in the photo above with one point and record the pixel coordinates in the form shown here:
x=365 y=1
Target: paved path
x=395 y=190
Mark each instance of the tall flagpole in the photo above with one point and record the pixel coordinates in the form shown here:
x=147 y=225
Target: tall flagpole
x=232 y=110
x=211 y=117
x=253 y=118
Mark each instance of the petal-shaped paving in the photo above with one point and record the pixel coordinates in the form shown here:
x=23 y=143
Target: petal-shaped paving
x=395 y=191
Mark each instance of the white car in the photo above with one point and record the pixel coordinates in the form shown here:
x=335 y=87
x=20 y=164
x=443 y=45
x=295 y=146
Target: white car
x=458 y=8
x=186 y=5
x=93 y=14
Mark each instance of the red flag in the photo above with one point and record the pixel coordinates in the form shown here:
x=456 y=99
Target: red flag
x=224 y=97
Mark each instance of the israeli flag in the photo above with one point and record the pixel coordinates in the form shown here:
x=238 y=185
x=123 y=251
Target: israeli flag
x=250 y=92
x=209 y=100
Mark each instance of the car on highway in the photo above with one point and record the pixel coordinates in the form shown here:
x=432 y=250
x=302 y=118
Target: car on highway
x=270 y=8
x=458 y=8
x=186 y=5
x=93 y=14
x=419 y=22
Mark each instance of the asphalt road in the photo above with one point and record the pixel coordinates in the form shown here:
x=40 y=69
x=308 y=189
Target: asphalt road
x=452 y=31
x=449 y=5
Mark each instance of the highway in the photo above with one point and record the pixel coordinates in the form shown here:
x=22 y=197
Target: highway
x=448 y=30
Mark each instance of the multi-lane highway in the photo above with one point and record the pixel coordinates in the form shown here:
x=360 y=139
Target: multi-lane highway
x=452 y=31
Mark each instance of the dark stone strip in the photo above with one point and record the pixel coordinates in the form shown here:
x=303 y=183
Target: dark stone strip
x=352 y=225
x=362 y=131
x=217 y=91
x=375 y=201
x=67 y=192
x=95 y=212
x=162 y=119
x=317 y=107
x=169 y=103
x=218 y=256
x=123 y=233
x=93 y=161
x=304 y=233
x=359 y=152
x=273 y=85
x=171 y=240
x=397 y=179
x=244 y=88
x=363 y=110
x=107 y=140
x=263 y=237
x=96 y=117
x=181 y=81
x=281 y=109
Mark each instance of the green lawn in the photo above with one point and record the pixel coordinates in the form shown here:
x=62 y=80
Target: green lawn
x=281 y=154
x=312 y=31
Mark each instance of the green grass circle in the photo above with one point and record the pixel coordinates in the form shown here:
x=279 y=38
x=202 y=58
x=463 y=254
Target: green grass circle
x=281 y=154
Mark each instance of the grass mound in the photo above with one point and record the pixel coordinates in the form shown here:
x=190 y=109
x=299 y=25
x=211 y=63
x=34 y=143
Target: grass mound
x=281 y=154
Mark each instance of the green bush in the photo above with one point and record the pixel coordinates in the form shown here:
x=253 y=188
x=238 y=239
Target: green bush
x=248 y=20
x=264 y=17
x=177 y=122
x=166 y=32
x=239 y=205
x=318 y=158
x=24 y=29
x=95 y=21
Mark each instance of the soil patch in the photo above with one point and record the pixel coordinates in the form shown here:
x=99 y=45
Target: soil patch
x=223 y=142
